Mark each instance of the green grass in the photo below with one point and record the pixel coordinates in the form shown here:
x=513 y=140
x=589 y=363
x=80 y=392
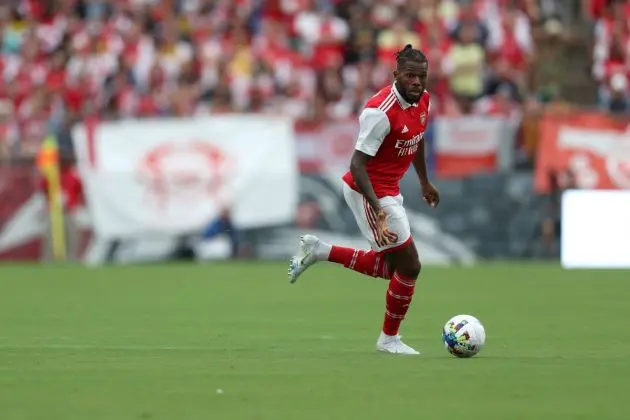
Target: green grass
x=159 y=342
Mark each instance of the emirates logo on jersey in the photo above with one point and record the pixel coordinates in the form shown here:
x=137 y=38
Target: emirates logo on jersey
x=423 y=118
x=408 y=147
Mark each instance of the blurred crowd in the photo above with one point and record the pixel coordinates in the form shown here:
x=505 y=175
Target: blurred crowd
x=63 y=60
x=611 y=53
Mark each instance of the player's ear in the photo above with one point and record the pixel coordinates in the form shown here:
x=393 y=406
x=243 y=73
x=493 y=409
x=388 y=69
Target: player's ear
x=395 y=74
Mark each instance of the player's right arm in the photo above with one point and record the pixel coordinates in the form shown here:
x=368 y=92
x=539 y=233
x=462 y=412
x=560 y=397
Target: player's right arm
x=358 y=168
x=373 y=128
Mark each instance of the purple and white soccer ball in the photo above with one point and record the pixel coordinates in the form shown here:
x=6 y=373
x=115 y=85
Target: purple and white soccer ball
x=463 y=336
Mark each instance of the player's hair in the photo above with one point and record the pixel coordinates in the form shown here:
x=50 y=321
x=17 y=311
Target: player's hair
x=410 y=54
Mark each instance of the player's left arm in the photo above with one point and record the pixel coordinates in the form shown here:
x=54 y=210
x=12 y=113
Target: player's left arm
x=430 y=194
x=420 y=164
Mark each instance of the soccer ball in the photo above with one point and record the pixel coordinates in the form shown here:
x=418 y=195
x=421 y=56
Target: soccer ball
x=463 y=336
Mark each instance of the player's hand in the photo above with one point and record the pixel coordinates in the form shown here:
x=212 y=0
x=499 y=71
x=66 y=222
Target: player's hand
x=384 y=235
x=430 y=194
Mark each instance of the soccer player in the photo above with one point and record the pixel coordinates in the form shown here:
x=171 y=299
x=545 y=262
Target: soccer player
x=391 y=128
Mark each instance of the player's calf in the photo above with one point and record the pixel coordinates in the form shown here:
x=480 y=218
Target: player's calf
x=370 y=263
x=397 y=300
x=312 y=249
x=406 y=265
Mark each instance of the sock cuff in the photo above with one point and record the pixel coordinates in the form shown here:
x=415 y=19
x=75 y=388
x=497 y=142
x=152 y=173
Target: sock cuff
x=407 y=281
x=323 y=251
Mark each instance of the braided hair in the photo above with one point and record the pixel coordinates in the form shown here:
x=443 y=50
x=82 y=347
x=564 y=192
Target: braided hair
x=410 y=54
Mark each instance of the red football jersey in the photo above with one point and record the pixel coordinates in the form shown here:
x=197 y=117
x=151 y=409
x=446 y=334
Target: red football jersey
x=391 y=130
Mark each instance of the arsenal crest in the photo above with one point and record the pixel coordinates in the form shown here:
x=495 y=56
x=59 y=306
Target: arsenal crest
x=423 y=118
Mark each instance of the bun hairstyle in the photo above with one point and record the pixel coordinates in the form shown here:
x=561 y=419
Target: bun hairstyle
x=410 y=54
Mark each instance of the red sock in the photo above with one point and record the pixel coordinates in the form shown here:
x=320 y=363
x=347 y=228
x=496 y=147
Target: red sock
x=397 y=300
x=365 y=262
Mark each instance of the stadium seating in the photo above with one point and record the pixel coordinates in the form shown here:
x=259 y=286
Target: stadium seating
x=308 y=59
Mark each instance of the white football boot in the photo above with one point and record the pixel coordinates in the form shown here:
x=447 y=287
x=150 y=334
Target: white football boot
x=308 y=254
x=392 y=344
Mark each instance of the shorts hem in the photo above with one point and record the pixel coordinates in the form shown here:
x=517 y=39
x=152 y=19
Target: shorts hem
x=397 y=247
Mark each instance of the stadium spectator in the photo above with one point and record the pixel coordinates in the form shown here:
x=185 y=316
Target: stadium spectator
x=464 y=65
x=8 y=129
x=611 y=65
x=551 y=220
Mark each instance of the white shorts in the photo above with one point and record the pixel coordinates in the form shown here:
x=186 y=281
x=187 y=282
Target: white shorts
x=397 y=221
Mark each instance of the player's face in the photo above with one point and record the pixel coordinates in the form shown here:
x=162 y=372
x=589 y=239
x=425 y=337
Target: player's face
x=411 y=79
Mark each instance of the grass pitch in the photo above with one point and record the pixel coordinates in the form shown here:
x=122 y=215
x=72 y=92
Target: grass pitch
x=236 y=341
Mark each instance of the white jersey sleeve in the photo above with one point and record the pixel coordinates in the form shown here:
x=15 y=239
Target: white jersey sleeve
x=373 y=128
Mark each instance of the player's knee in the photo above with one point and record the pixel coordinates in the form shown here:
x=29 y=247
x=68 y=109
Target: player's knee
x=415 y=268
x=411 y=268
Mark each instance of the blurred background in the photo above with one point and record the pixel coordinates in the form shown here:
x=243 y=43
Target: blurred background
x=141 y=130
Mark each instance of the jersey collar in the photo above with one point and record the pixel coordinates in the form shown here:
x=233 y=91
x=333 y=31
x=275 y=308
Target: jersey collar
x=401 y=101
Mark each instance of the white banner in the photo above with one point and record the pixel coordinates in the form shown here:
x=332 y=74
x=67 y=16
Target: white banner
x=173 y=176
x=467 y=145
x=595 y=229
x=469 y=135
